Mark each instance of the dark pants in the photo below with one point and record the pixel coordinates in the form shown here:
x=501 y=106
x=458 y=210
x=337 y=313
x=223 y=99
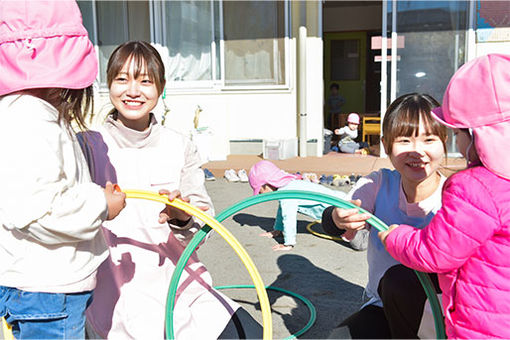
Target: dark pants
x=242 y=326
x=403 y=299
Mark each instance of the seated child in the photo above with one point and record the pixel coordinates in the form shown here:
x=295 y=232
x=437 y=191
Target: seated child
x=266 y=177
x=348 y=134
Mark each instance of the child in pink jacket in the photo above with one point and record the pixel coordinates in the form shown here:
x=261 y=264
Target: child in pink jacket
x=468 y=241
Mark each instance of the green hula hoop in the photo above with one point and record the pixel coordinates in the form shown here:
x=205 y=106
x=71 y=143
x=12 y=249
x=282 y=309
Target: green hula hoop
x=308 y=303
x=274 y=196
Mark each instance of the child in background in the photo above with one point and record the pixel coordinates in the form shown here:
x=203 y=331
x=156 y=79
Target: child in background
x=348 y=134
x=468 y=241
x=50 y=211
x=416 y=145
x=335 y=100
x=147 y=238
x=266 y=177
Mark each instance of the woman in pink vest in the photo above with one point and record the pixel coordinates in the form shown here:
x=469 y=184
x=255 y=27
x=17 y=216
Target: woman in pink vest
x=146 y=241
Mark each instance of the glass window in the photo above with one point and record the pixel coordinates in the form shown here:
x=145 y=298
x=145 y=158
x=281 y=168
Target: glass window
x=204 y=42
x=116 y=23
x=254 y=35
x=188 y=36
x=434 y=47
x=434 y=44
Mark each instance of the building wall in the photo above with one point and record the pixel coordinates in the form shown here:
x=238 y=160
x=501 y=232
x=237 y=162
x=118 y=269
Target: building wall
x=250 y=116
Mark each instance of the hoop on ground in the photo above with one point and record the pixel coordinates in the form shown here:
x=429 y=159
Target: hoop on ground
x=321 y=235
x=308 y=303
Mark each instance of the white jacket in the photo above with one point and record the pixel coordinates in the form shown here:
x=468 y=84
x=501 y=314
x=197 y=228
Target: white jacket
x=50 y=212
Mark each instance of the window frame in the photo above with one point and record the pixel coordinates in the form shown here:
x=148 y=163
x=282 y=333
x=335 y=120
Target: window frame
x=157 y=28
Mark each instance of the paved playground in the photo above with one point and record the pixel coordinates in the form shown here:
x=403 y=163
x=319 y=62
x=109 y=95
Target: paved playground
x=328 y=273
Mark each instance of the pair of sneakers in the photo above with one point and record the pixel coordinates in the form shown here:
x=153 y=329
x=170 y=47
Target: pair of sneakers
x=232 y=176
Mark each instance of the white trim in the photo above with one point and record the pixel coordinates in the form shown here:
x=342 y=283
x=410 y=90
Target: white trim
x=384 y=67
x=471 y=33
x=222 y=47
x=213 y=44
x=393 y=88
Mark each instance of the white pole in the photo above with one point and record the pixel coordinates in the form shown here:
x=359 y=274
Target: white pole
x=302 y=91
x=393 y=90
x=384 y=66
x=471 y=36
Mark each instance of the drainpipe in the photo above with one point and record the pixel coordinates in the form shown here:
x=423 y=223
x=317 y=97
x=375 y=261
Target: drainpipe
x=302 y=91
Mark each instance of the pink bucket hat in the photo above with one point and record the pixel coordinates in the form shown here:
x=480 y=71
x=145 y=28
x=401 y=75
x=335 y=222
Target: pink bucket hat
x=353 y=118
x=44 y=44
x=265 y=172
x=478 y=97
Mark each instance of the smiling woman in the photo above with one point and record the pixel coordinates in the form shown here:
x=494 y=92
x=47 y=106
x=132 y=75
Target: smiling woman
x=410 y=194
x=136 y=80
x=133 y=150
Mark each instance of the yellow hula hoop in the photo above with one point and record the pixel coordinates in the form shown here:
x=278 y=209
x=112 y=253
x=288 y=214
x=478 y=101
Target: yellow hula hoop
x=327 y=237
x=6 y=330
x=231 y=240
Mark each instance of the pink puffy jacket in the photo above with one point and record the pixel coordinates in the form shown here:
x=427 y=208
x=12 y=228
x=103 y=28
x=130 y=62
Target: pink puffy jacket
x=468 y=244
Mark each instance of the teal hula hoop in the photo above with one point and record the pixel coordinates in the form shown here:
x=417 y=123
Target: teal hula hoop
x=308 y=303
x=274 y=196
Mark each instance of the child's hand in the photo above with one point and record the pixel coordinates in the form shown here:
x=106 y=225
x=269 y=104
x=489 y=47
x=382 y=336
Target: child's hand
x=384 y=234
x=171 y=213
x=116 y=200
x=350 y=219
x=337 y=131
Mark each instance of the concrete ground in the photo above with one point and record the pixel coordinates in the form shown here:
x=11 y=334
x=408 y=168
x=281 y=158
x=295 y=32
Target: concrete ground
x=328 y=273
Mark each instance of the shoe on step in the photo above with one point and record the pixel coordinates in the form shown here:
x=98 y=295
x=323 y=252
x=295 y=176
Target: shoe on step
x=209 y=175
x=231 y=175
x=243 y=176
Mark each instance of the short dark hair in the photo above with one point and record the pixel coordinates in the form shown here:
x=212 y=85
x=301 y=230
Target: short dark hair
x=334 y=86
x=403 y=117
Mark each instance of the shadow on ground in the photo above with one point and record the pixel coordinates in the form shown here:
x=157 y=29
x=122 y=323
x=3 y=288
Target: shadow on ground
x=320 y=286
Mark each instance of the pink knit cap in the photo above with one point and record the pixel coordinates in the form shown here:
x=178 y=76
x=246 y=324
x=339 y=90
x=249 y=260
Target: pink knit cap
x=43 y=44
x=353 y=118
x=478 y=97
x=265 y=172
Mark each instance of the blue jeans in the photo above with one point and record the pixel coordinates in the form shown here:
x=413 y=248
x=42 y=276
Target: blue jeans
x=44 y=315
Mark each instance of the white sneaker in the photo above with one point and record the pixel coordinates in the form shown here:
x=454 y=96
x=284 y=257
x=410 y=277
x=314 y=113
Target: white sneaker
x=243 y=176
x=231 y=176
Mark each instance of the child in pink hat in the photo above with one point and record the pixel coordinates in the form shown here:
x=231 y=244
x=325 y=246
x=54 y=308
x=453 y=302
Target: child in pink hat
x=348 y=134
x=50 y=211
x=468 y=241
x=266 y=177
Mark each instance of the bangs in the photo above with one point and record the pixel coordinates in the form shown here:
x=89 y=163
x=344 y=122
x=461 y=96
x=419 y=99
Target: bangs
x=407 y=124
x=403 y=118
x=141 y=65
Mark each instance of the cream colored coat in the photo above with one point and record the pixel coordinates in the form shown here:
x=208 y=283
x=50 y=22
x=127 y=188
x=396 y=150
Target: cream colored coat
x=50 y=211
x=129 y=301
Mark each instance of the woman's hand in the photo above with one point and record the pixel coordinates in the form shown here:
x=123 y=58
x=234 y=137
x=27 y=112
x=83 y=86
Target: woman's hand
x=350 y=219
x=384 y=234
x=172 y=214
